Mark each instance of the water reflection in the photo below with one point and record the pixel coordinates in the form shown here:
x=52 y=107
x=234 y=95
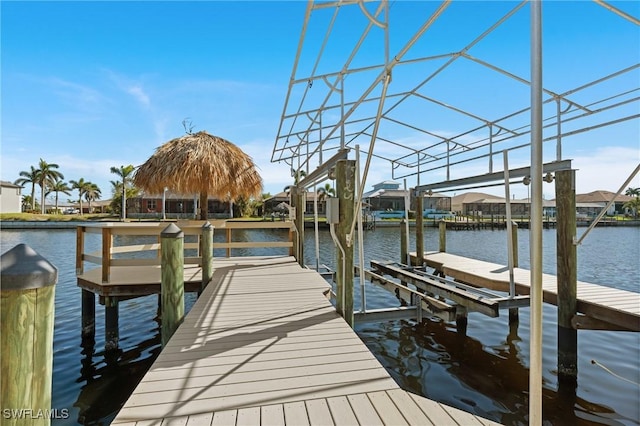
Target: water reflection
x=109 y=377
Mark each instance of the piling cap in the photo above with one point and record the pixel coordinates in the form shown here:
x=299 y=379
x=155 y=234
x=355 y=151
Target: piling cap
x=21 y=268
x=172 y=231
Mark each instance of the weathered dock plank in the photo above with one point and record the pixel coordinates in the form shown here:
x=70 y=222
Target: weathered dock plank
x=263 y=345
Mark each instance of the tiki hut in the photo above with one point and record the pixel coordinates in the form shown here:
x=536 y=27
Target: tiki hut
x=200 y=163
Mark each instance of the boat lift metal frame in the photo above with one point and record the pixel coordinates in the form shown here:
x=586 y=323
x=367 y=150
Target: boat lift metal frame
x=307 y=132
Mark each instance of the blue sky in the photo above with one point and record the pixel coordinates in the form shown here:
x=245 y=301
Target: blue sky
x=90 y=85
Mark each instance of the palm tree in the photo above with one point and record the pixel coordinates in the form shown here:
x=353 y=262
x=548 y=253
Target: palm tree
x=633 y=192
x=116 y=190
x=326 y=191
x=59 y=186
x=28 y=203
x=81 y=186
x=32 y=178
x=47 y=175
x=91 y=193
x=298 y=175
x=633 y=205
x=125 y=173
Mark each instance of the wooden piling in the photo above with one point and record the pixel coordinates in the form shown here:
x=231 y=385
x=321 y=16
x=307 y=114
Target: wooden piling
x=462 y=319
x=299 y=219
x=419 y=229
x=293 y=198
x=442 y=227
x=207 y=254
x=88 y=314
x=404 y=245
x=514 y=313
x=567 y=275
x=111 y=323
x=27 y=303
x=345 y=190
x=172 y=281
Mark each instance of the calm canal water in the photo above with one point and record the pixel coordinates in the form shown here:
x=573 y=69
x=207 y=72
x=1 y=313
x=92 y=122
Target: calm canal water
x=484 y=372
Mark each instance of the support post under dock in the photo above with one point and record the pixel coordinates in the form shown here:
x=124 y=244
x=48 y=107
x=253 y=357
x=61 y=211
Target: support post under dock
x=567 y=274
x=88 y=314
x=111 y=320
x=514 y=315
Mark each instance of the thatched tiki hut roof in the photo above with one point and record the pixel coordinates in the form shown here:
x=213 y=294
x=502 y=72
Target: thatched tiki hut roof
x=200 y=163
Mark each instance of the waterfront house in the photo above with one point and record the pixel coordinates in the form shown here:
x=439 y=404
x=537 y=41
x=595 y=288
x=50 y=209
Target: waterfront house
x=601 y=198
x=387 y=197
x=479 y=204
x=10 y=197
x=176 y=206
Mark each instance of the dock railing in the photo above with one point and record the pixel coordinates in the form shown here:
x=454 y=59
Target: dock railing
x=108 y=230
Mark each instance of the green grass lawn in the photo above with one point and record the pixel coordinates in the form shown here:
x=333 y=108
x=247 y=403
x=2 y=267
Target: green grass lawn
x=54 y=217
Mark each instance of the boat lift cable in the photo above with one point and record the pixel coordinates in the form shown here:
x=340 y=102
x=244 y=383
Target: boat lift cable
x=332 y=230
x=363 y=295
x=507 y=197
x=363 y=181
x=315 y=225
x=594 y=362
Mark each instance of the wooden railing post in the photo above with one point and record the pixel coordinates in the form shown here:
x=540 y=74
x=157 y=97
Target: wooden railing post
x=292 y=241
x=79 y=249
x=172 y=281
x=107 y=242
x=228 y=241
x=442 y=227
x=27 y=299
x=207 y=254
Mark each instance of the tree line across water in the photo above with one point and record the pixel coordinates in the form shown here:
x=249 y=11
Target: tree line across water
x=51 y=181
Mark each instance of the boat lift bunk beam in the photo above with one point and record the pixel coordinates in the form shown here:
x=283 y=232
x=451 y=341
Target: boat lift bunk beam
x=474 y=299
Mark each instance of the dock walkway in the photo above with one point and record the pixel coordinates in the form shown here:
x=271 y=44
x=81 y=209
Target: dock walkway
x=263 y=345
x=619 y=308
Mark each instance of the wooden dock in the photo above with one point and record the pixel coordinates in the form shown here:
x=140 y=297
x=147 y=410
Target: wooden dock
x=263 y=345
x=601 y=307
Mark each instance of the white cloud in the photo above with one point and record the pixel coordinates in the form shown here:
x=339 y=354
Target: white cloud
x=606 y=168
x=139 y=94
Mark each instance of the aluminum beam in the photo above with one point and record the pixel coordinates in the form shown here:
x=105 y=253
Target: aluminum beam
x=496 y=176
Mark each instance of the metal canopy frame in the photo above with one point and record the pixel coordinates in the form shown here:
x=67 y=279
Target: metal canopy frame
x=392 y=97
